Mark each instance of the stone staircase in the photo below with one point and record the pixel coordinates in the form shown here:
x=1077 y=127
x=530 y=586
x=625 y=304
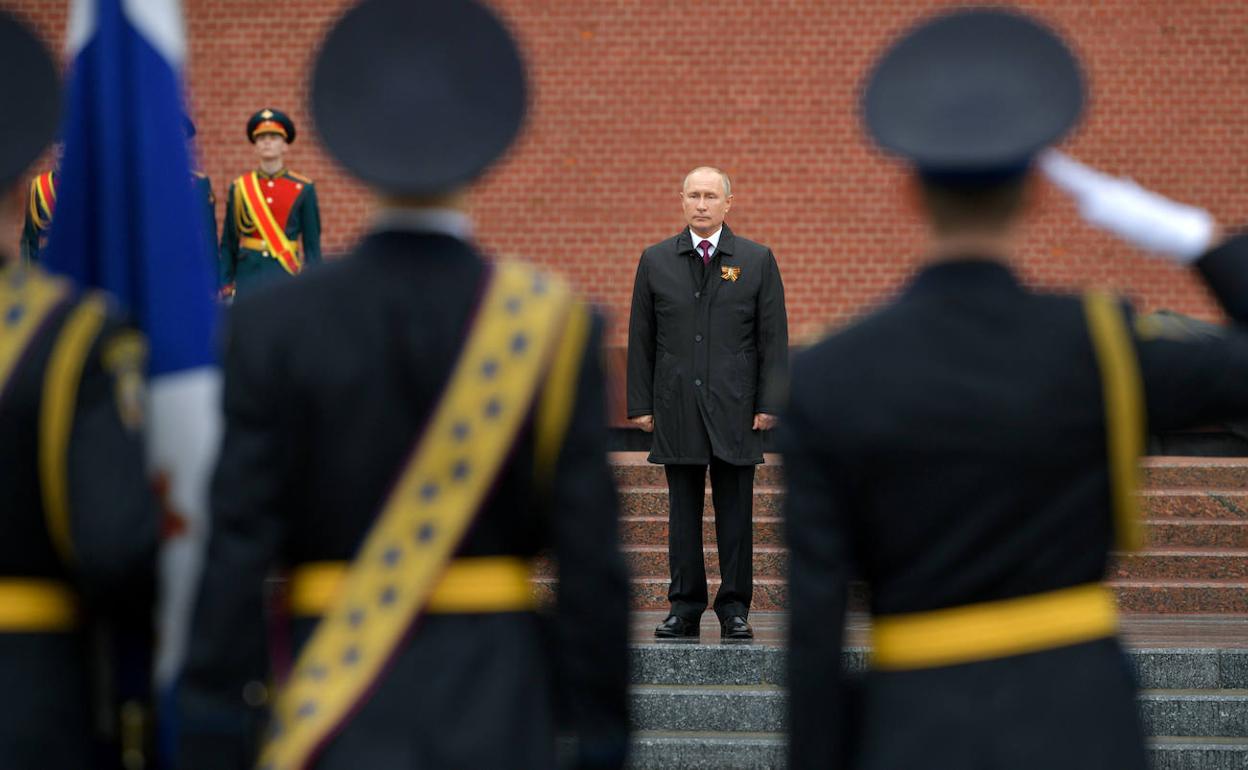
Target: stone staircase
x=721 y=705
x=713 y=705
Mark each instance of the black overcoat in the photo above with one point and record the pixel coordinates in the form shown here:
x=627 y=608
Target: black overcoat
x=706 y=352
x=951 y=449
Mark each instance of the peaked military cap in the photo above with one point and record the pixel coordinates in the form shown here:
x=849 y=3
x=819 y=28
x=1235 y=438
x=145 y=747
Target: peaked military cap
x=29 y=97
x=973 y=94
x=271 y=121
x=418 y=98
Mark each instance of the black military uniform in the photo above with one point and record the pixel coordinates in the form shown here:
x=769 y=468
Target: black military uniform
x=78 y=531
x=951 y=449
x=322 y=411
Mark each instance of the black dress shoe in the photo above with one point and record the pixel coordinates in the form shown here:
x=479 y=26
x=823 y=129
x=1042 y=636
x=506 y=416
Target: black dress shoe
x=676 y=627
x=736 y=627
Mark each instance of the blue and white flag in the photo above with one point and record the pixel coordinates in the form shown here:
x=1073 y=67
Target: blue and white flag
x=127 y=222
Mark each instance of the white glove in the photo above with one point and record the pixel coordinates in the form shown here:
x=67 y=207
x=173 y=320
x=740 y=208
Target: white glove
x=1140 y=217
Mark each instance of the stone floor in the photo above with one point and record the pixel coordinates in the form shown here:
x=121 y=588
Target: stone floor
x=1138 y=630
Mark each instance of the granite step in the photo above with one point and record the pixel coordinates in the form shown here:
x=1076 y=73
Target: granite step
x=1194 y=671
x=738 y=665
x=652 y=530
x=761 y=708
x=1204 y=504
x=1197 y=473
x=708 y=750
x=1226 y=473
x=771 y=561
x=1181 y=564
x=1207 y=597
x=1196 y=533
x=631 y=469
x=1155 y=504
x=652 y=501
x=769 y=530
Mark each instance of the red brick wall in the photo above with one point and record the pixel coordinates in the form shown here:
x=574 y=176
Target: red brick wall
x=628 y=94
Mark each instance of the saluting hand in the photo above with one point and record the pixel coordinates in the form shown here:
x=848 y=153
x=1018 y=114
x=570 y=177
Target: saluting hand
x=645 y=422
x=764 y=421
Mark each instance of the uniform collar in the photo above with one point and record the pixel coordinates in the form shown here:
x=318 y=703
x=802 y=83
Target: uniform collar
x=963 y=273
x=281 y=172
x=441 y=221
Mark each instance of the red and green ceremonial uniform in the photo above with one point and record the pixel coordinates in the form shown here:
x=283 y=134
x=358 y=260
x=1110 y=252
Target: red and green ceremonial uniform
x=272 y=229
x=40 y=204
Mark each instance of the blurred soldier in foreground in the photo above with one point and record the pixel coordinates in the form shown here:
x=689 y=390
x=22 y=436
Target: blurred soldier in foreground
x=971 y=450
x=272 y=223
x=78 y=529
x=407 y=459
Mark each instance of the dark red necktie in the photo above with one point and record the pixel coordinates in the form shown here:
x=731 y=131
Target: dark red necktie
x=706 y=252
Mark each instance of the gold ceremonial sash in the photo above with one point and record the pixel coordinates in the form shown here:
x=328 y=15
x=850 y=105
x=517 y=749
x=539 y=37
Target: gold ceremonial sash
x=1125 y=414
x=281 y=247
x=479 y=584
x=453 y=466
x=27 y=297
x=999 y=629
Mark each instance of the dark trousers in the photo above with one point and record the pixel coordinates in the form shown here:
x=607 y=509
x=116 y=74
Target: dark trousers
x=732 y=495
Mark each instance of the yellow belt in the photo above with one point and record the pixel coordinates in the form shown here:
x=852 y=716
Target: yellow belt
x=34 y=605
x=478 y=584
x=255 y=244
x=999 y=629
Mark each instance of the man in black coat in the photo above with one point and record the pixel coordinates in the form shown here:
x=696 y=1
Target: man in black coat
x=78 y=526
x=707 y=371
x=343 y=396
x=971 y=450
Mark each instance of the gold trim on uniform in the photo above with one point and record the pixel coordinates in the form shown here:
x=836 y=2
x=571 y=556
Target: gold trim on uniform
x=33 y=605
x=989 y=630
x=56 y=414
x=474 y=584
x=27 y=297
x=125 y=357
x=1125 y=414
x=554 y=411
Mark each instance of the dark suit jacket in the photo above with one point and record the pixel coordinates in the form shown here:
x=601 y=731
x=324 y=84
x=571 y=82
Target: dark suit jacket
x=706 y=354
x=328 y=382
x=952 y=448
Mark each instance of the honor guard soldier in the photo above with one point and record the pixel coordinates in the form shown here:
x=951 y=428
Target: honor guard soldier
x=971 y=449
x=269 y=213
x=40 y=205
x=203 y=194
x=406 y=461
x=78 y=529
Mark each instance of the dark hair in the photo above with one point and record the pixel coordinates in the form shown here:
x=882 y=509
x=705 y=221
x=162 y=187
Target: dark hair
x=981 y=205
